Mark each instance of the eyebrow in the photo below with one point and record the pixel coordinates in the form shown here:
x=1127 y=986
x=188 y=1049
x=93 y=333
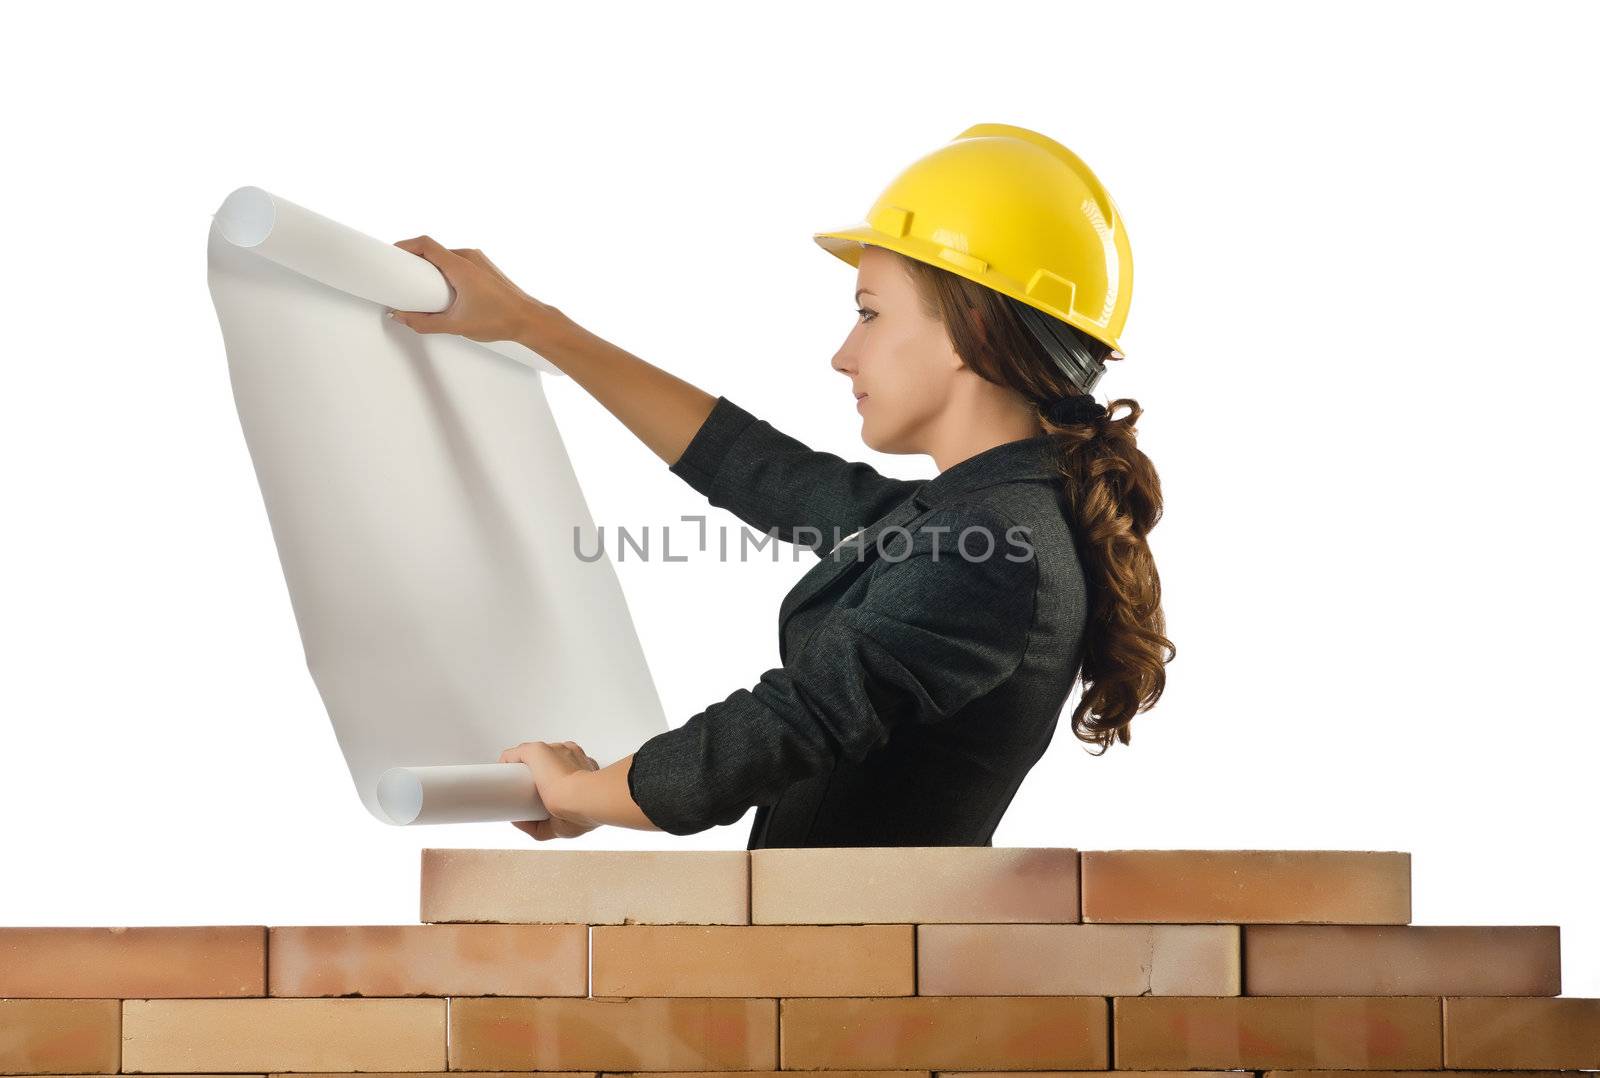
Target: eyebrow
x=861 y=290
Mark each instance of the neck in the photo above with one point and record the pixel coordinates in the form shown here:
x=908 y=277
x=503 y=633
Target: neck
x=958 y=436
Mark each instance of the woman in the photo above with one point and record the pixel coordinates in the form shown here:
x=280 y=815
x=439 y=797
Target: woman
x=928 y=655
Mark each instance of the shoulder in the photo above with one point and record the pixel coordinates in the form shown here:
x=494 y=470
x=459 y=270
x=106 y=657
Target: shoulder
x=973 y=523
x=1032 y=507
x=962 y=553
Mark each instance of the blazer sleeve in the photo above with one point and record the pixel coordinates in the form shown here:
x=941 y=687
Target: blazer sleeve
x=933 y=632
x=774 y=482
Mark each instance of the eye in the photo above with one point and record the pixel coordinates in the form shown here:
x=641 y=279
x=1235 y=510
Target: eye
x=863 y=312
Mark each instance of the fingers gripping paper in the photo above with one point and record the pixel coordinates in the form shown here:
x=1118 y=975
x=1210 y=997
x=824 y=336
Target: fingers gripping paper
x=423 y=507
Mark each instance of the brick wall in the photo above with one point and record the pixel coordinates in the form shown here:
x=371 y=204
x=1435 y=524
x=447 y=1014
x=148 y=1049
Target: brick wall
x=898 y=962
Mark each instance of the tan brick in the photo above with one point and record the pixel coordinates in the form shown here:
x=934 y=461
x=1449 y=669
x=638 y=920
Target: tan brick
x=143 y=962
x=913 y=884
x=754 y=960
x=676 y=1074
x=1401 y=960
x=652 y=1034
x=58 y=1036
x=1342 y=1032
x=184 y=1035
x=1399 y=1074
x=1239 y=886
x=756 y=1074
x=429 y=960
x=587 y=887
x=1511 y=1031
x=946 y=1032
x=431 y=1074
x=1090 y=1074
x=1077 y=960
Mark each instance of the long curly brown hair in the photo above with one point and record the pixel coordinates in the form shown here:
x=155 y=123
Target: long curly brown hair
x=1112 y=496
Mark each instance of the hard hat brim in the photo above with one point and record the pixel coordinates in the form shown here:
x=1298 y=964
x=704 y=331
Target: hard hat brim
x=846 y=244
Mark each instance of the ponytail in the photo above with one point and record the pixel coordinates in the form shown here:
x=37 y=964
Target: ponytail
x=1110 y=490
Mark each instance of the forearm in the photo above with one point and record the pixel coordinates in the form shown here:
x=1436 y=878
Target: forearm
x=599 y=797
x=660 y=408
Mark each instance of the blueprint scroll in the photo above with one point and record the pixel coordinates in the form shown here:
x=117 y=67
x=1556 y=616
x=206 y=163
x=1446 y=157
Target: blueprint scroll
x=423 y=506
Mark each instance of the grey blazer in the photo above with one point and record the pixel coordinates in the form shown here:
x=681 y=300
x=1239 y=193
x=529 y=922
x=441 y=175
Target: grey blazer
x=921 y=680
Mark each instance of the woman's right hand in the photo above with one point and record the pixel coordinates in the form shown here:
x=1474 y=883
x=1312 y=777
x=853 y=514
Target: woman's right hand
x=552 y=763
x=484 y=306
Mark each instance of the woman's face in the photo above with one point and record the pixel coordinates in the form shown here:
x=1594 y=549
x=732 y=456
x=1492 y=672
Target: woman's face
x=897 y=355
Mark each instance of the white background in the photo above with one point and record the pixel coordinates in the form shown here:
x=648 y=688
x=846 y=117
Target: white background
x=1362 y=331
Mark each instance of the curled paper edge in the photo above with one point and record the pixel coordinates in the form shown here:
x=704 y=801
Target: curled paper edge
x=460 y=793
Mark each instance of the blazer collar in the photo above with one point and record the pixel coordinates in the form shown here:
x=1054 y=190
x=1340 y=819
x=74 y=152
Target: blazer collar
x=1024 y=458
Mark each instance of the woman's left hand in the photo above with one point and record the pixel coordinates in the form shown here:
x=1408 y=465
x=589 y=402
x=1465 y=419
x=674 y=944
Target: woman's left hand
x=551 y=762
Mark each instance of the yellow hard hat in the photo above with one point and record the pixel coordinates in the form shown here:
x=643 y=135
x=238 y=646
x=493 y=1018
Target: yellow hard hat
x=1014 y=211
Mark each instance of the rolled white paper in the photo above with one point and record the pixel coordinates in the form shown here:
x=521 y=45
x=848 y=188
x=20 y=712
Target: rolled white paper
x=342 y=258
x=460 y=793
x=427 y=518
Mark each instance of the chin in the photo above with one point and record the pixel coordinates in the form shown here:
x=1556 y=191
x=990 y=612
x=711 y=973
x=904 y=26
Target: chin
x=875 y=439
